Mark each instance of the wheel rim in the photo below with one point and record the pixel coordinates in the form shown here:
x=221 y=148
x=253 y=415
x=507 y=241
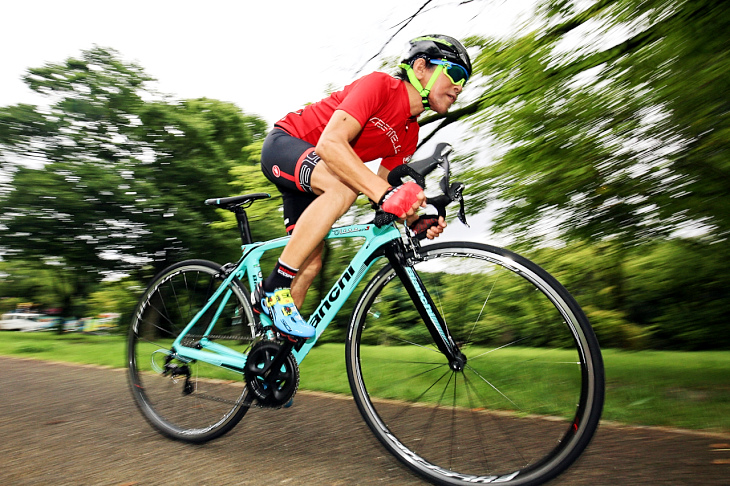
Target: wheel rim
x=525 y=402
x=203 y=400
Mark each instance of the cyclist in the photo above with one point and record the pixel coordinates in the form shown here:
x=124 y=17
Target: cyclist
x=315 y=157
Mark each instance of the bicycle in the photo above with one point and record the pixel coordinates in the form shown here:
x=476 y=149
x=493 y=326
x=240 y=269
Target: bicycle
x=468 y=362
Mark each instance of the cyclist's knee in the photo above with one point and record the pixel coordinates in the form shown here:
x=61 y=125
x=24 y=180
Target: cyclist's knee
x=325 y=181
x=339 y=196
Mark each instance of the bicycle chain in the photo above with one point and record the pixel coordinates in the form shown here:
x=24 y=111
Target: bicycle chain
x=195 y=338
x=216 y=399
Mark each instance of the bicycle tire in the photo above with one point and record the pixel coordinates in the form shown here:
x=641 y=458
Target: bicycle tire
x=530 y=397
x=187 y=401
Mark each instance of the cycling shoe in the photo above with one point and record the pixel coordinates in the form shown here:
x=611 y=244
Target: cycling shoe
x=279 y=306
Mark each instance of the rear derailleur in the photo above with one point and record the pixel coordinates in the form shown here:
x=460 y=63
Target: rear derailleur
x=174 y=371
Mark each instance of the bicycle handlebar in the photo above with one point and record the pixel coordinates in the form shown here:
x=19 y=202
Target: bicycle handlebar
x=418 y=170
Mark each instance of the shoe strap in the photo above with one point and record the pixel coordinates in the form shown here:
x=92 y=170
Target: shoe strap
x=283 y=297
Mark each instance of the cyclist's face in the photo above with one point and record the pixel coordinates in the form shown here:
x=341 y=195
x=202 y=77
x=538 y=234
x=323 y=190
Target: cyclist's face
x=443 y=94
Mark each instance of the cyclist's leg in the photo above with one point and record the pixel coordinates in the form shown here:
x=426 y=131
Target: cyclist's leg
x=305 y=181
x=307 y=273
x=311 y=228
x=333 y=200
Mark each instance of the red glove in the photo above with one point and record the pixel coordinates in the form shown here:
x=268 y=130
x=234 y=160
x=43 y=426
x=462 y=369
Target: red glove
x=423 y=224
x=399 y=200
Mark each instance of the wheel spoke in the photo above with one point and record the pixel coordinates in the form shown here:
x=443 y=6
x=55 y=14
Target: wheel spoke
x=492 y=386
x=511 y=407
x=513 y=343
x=196 y=401
x=479 y=316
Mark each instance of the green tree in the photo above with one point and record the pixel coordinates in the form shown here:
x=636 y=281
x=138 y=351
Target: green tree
x=197 y=144
x=679 y=290
x=41 y=285
x=613 y=119
x=105 y=180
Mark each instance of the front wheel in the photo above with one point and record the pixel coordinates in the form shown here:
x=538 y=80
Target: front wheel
x=188 y=400
x=530 y=395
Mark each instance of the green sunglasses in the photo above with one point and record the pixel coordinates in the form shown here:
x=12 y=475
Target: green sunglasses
x=455 y=72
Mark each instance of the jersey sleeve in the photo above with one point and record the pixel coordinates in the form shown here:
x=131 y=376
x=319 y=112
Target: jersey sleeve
x=366 y=97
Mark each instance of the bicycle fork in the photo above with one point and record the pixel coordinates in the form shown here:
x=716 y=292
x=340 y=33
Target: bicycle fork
x=427 y=309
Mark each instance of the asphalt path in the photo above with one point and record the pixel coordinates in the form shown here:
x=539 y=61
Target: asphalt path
x=66 y=424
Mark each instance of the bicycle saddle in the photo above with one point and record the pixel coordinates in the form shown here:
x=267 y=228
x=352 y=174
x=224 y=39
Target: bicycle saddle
x=236 y=201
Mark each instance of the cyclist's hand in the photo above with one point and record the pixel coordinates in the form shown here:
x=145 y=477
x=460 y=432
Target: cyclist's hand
x=403 y=201
x=428 y=226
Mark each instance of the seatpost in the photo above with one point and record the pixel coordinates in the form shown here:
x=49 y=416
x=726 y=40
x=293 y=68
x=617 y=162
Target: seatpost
x=243 y=226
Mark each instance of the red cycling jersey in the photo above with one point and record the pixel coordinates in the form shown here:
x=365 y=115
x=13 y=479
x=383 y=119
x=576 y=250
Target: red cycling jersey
x=380 y=103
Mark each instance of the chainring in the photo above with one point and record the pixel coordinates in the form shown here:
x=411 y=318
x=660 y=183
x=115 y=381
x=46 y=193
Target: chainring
x=272 y=388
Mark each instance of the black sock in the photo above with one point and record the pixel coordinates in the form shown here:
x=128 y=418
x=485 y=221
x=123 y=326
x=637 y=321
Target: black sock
x=281 y=277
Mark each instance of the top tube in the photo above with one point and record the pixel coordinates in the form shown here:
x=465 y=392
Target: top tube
x=375 y=238
x=368 y=231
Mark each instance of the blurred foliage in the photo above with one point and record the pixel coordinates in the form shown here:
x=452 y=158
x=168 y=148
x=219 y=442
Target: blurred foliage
x=119 y=297
x=613 y=117
x=606 y=128
x=32 y=282
x=671 y=294
x=111 y=177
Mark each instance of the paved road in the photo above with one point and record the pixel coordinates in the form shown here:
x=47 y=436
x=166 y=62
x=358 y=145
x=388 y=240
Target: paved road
x=72 y=425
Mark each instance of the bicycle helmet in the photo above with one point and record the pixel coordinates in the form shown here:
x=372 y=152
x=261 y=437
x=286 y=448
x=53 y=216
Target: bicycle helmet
x=434 y=46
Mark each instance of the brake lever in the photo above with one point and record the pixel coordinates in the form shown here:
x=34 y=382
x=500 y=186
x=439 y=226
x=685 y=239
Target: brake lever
x=456 y=194
x=417 y=171
x=462 y=212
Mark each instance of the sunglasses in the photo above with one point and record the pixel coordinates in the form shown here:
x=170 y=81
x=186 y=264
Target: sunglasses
x=455 y=72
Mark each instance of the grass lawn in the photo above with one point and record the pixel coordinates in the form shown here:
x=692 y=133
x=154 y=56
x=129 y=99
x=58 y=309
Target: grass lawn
x=675 y=389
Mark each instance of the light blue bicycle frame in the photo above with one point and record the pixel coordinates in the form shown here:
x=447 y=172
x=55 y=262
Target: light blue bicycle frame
x=249 y=266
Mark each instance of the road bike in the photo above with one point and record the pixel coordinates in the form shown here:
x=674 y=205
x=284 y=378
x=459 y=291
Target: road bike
x=469 y=363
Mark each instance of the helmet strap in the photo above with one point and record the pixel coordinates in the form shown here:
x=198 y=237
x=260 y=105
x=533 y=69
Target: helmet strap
x=424 y=92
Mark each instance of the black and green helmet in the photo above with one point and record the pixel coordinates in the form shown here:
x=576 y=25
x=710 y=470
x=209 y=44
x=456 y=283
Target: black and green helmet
x=438 y=47
x=435 y=49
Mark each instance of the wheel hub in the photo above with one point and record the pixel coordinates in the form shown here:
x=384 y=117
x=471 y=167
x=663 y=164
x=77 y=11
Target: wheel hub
x=458 y=363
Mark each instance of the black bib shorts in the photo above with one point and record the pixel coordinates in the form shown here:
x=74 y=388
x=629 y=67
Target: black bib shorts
x=288 y=162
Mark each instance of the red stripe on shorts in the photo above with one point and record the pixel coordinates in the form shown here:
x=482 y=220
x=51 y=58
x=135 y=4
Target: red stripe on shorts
x=299 y=167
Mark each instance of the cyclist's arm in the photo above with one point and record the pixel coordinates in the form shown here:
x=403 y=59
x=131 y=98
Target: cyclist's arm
x=433 y=231
x=383 y=174
x=335 y=150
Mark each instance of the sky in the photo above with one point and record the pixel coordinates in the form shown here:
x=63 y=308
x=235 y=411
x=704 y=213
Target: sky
x=267 y=57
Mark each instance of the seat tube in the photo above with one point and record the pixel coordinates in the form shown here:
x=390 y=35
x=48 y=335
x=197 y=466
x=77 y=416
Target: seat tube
x=421 y=298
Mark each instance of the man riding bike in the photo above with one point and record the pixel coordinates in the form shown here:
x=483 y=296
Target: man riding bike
x=316 y=155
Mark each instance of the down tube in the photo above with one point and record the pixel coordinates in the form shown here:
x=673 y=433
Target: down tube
x=353 y=274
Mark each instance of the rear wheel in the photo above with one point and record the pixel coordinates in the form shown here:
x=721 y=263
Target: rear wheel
x=188 y=400
x=530 y=396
